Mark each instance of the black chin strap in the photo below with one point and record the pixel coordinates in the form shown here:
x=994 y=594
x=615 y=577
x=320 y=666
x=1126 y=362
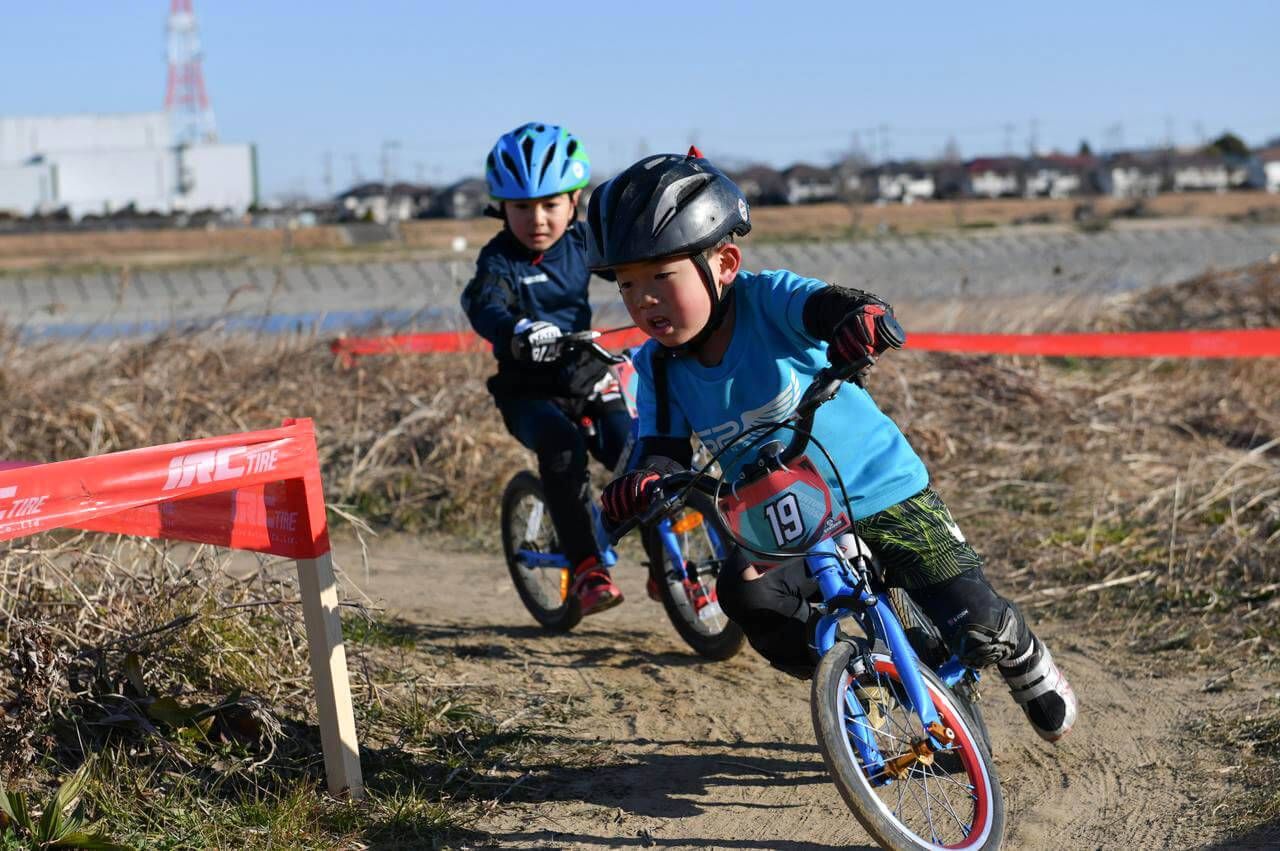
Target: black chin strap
x=720 y=303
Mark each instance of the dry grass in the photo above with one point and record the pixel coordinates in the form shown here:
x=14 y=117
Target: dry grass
x=1140 y=497
x=186 y=686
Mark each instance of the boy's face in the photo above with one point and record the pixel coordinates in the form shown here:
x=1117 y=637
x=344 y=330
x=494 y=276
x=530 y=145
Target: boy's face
x=540 y=222
x=667 y=299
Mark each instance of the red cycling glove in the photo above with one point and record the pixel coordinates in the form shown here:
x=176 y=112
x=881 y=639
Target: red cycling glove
x=628 y=495
x=868 y=330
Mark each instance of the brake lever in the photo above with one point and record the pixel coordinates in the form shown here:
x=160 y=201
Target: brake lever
x=603 y=354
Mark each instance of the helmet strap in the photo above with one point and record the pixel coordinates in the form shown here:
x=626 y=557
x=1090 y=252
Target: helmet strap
x=720 y=303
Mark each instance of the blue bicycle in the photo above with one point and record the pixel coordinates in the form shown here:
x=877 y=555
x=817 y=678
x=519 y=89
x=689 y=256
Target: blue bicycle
x=902 y=738
x=685 y=553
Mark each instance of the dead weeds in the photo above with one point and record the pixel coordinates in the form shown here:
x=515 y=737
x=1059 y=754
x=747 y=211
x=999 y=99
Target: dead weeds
x=1140 y=497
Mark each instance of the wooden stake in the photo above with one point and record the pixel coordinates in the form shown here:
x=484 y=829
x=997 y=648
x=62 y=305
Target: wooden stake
x=329 y=674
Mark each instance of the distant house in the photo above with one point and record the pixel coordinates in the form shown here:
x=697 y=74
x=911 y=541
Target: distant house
x=382 y=203
x=1199 y=172
x=465 y=199
x=905 y=182
x=763 y=186
x=1246 y=172
x=1269 y=158
x=1059 y=176
x=1132 y=175
x=995 y=177
x=806 y=184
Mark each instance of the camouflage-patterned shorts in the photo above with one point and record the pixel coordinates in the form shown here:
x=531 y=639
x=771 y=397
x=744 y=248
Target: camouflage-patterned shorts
x=917 y=542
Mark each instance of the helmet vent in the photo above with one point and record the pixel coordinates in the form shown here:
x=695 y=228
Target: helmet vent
x=691 y=189
x=511 y=166
x=546 y=162
x=572 y=148
x=526 y=147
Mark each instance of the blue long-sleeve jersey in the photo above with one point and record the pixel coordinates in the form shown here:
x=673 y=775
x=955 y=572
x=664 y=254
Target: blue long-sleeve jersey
x=514 y=283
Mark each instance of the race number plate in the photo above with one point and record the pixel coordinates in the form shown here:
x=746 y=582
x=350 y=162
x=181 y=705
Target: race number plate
x=786 y=511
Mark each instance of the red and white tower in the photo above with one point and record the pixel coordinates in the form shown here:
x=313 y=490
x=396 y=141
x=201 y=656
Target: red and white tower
x=185 y=99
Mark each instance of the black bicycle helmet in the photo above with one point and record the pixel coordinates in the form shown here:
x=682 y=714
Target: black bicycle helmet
x=664 y=206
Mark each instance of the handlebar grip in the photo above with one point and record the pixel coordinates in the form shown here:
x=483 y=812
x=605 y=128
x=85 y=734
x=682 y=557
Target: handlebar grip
x=667 y=496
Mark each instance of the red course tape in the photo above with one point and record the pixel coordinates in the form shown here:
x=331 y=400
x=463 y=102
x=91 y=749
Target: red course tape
x=1246 y=343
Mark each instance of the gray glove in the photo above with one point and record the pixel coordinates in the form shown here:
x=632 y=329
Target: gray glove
x=536 y=341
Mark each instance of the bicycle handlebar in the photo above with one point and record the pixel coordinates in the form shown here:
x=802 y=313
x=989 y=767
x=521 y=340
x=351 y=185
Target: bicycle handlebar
x=586 y=341
x=670 y=490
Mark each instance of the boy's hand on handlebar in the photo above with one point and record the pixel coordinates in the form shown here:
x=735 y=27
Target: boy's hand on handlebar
x=868 y=331
x=628 y=495
x=536 y=341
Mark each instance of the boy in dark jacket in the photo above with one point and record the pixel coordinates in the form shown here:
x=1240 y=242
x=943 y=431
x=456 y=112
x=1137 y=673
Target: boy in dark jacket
x=529 y=290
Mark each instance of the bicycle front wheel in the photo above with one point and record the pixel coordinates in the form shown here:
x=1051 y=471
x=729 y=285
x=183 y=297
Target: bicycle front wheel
x=692 y=607
x=908 y=798
x=527 y=533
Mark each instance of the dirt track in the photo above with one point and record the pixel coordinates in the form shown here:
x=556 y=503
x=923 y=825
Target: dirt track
x=721 y=755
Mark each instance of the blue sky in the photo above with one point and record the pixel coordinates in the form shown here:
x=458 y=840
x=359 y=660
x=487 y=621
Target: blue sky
x=771 y=82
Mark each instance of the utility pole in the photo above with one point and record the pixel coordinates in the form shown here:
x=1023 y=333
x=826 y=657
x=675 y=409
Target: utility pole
x=327 y=174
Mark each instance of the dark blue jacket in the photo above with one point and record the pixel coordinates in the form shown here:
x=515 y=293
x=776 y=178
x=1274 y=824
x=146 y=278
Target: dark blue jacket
x=514 y=283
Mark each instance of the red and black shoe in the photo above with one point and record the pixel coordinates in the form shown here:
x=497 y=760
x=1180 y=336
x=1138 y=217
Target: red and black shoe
x=593 y=587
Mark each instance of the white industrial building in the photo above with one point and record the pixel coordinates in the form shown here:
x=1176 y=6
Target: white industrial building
x=99 y=164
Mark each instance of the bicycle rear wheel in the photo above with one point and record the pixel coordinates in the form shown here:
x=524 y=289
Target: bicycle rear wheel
x=527 y=529
x=705 y=628
x=950 y=799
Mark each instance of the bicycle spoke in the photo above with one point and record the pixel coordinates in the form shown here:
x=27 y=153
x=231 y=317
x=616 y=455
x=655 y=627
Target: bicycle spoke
x=943 y=799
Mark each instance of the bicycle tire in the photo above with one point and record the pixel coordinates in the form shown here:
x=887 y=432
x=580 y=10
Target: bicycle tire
x=526 y=524
x=974 y=802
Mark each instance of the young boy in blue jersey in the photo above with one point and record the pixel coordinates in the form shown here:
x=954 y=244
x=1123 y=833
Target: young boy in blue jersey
x=731 y=348
x=530 y=288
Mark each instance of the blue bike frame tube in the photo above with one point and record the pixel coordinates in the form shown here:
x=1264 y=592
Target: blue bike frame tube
x=532 y=558
x=952 y=672
x=608 y=557
x=717 y=546
x=672 y=545
x=904 y=659
x=823 y=564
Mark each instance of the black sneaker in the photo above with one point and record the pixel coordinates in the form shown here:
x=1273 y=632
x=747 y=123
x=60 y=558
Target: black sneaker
x=1042 y=691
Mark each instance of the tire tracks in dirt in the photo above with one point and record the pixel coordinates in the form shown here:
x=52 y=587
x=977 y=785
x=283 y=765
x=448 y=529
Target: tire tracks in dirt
x=722 y=755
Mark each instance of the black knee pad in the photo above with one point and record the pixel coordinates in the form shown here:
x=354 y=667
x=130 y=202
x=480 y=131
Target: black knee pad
x=979 y=644
x=980 y=626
